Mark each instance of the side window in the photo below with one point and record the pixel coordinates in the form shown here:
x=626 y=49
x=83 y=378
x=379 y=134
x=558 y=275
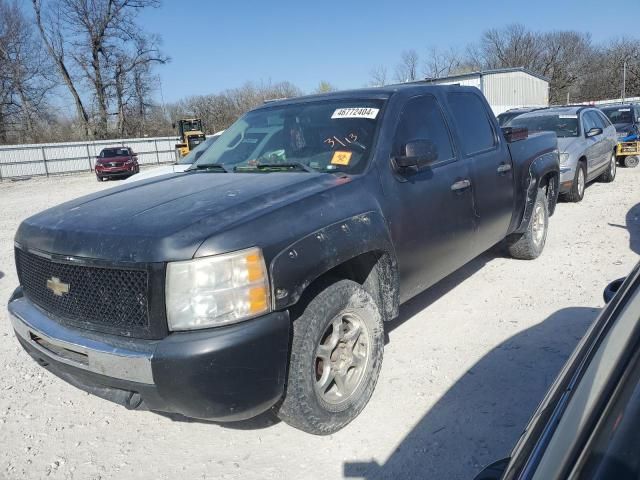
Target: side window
x=587 y=122
x=596 y=119
x=472 y=120
x=603 y=118
x=422 y=119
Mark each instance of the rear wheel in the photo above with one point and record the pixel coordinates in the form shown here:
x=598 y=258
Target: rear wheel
x=530 y=244
x=336 y=355
x=610 y=174
x=576 y=193
x=631 y=161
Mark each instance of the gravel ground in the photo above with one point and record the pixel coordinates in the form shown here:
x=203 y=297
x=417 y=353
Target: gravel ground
x=465 y=366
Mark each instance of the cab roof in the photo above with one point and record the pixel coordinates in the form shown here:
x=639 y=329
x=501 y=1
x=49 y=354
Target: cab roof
x=382 y=93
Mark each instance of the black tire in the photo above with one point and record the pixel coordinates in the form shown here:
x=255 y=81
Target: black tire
x=99 y=178
x=609 y=174
x=576 y=194
x=530 y=244
x=631 y=161
x=303 y=406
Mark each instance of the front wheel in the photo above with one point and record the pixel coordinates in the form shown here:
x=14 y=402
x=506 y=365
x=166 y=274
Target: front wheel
x=610 y=174
x=576 y=194
x=336 y=355
x=529 y=245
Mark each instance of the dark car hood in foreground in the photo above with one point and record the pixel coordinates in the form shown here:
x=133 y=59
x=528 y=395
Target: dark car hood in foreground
x=164 y=218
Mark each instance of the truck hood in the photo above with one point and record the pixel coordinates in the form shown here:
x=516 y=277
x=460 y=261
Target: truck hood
x=157 y=171
x=164 y=218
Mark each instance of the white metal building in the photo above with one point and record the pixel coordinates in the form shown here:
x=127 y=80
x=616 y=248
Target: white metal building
x=504 y=88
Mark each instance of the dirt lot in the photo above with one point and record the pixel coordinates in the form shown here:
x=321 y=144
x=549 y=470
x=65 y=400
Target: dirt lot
x=464 y=368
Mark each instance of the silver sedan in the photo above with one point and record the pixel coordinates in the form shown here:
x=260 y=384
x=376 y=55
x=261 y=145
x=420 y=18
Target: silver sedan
x=586 y=140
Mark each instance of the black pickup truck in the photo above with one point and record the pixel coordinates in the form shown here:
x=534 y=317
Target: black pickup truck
x=261 y=277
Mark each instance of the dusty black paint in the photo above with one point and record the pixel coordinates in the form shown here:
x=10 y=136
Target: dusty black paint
x=395 y=232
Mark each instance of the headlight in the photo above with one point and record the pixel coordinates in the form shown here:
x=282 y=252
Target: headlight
x=564 y=159
x=217 y=290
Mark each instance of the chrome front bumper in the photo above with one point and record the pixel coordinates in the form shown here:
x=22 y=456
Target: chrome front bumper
x=123 y=359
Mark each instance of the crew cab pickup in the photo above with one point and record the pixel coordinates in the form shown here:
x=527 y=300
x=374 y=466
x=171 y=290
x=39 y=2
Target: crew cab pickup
x=260 y=278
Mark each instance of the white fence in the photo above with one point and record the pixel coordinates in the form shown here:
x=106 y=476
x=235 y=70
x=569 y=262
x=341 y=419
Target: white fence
x=56 y=158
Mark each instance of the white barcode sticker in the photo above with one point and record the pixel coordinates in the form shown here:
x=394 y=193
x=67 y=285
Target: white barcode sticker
x=356 y=112
x=567 y=116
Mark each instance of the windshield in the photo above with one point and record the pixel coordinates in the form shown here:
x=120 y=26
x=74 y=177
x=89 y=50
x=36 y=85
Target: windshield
x=193 y=155
x=565 y=125
x=324 y=136
x=618 y=115
x=114 y=152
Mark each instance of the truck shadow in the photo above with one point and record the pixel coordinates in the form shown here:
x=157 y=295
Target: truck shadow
x=479 y=419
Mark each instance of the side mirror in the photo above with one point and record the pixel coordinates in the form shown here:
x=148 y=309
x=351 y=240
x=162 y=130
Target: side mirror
x=611 y=289
x=416 y=153
x=593 y=132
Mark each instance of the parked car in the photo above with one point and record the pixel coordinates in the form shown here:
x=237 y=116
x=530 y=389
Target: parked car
x=510 y=114
x=588 y=422
x=587 y=141
x=118 y=162
x=261 y=278
x=626 y=118
x=180 y=166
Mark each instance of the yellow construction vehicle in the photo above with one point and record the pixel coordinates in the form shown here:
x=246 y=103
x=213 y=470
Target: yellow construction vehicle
x=190 y=134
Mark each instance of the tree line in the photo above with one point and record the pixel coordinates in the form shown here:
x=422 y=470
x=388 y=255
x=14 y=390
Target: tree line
x=86 y=69
x=579 y=70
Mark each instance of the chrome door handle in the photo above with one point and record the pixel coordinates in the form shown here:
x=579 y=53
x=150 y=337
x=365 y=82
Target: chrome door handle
x=461 y=185
x=504 y=168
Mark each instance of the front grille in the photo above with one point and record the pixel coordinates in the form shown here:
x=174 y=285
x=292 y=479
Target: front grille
x=111 y=300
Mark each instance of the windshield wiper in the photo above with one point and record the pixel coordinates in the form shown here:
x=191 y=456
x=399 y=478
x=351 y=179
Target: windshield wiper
x=277 y=166
x=210 y=166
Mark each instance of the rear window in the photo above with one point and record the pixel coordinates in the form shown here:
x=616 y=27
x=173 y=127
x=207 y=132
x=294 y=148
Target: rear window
x=114 y=152
x=563 y=124
x=619 y=115
x=474 y=126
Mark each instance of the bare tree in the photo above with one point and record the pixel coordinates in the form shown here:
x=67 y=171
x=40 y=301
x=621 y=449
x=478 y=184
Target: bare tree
x=325 y=87
x=23 y=81
x=407 y=69
x=52 y=35
x=442 y=63
x=378 y=76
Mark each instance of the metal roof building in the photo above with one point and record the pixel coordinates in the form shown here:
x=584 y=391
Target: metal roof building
x=504 y=88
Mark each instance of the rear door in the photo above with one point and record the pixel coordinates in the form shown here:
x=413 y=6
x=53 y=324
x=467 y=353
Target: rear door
x=593 y=145
x=433 y=221
x=490 y=161
x=604 y=143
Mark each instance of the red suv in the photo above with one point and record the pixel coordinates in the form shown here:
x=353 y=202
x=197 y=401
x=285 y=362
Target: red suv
x=117 y=162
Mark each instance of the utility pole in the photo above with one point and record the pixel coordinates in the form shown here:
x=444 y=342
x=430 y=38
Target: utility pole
x=624 y=80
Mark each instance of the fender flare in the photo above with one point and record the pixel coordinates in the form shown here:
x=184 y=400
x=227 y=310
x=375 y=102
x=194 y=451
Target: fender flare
x=294 y=268
x=541 y=167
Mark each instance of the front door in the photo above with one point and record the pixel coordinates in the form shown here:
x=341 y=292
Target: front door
x=433 y=221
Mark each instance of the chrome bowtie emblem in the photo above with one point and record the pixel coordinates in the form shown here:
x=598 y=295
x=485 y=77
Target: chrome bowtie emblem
x=58 y=287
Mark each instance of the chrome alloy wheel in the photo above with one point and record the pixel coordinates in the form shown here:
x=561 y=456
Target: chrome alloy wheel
x=341 y=358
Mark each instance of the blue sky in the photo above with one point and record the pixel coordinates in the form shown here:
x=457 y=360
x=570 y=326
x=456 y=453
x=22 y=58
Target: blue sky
x=220 y=45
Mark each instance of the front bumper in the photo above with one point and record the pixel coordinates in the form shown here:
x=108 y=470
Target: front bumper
x=108 y=172
x=567 y=175
x=225 y=374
